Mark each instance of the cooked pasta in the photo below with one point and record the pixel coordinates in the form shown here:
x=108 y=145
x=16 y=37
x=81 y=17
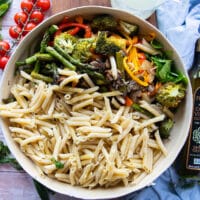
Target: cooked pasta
x=63 y=131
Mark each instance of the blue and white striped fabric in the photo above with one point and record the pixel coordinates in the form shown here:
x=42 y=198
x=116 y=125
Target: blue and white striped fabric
x=179 y=20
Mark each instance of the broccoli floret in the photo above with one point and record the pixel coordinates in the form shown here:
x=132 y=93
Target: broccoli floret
x=127 y=28
x=82 y=50
x=66 y=41
x=105 y=46
x=104 y=23
x=165 y=127
x=171 y=94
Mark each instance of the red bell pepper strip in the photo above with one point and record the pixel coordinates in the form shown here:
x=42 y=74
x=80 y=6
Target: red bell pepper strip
x=88 y=32
x=74 y=31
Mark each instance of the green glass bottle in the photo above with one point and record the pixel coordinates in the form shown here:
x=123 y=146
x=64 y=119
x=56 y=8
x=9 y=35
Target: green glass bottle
x=188 y=163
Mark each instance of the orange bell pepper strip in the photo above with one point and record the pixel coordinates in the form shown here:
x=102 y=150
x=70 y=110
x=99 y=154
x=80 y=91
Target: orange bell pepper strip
x=128 y=101
x=131 y=73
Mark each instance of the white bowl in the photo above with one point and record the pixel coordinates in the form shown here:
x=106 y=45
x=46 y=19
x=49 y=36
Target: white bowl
x=178 y=134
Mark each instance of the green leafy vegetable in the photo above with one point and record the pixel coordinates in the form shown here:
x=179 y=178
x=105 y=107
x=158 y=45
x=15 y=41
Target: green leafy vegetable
x=156 y=44
x=165 y=71
x=5 y=157
x=4 y=6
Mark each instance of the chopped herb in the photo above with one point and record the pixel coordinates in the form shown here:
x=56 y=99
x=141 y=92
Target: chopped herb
x=57 y=163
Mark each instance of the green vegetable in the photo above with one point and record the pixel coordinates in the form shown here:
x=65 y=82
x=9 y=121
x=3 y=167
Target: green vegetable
x=47 y=37
x=65 y=41
x=35 y=74
x=32 y=59
x=138 y=108
x=165 y=71
x=60 y=58
x=66 y=55
x=104 y=23
x=119 y=60
x=57 y=163
x=4 y=6
x=165 y=127
x=127 y=28
x=171 y=94
x=97 y=77
x=82 y=50
x=50 y=70
x=9 y=99
x=5 y=157
x=104 y=46
x=156 y=44
x=41 y=190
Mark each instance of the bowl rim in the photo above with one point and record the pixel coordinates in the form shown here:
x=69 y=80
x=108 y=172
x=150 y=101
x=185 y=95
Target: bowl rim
x=84 y=193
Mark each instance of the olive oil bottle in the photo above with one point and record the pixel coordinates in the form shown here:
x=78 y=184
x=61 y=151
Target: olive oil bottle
x=189 y=158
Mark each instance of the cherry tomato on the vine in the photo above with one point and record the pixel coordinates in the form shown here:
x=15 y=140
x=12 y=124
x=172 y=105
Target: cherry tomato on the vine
x=3 y=61
x=4 y=47
x=29 y=27
x=36 y=16
x=15 y=31
x=20 y=18
x=44 y=5
x=26 y=6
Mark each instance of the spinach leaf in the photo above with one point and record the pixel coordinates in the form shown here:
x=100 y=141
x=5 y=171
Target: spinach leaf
x=165 y=71
x=156 y=44
x=5 y=157
x=4 y=6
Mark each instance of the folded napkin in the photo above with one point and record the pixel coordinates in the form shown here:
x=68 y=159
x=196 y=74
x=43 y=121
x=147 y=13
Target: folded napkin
x=179 y=20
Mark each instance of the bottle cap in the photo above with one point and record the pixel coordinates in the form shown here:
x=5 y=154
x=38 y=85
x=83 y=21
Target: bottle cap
x=198 y=45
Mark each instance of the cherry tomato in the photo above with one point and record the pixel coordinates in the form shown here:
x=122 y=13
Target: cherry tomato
x=3 y=61
x=44 y=5
x=36 y=16
x=29 y=27
x=26 y=6
x=4 y=47
x=15 y=31
x=20 y=18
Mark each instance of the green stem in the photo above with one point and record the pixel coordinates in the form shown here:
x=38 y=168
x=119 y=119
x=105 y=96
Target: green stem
x=60 y=58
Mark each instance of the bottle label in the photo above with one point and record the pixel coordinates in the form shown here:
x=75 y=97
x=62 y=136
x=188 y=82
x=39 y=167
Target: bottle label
x=193 y=151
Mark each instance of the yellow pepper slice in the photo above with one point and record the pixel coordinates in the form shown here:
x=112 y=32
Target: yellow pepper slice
x=133 y=57
x=131 y=74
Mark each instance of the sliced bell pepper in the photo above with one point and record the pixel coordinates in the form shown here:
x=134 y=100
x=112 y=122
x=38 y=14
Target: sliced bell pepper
x=88 y=32
x=128 y=101
x=131 y=73
x=74 y=31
